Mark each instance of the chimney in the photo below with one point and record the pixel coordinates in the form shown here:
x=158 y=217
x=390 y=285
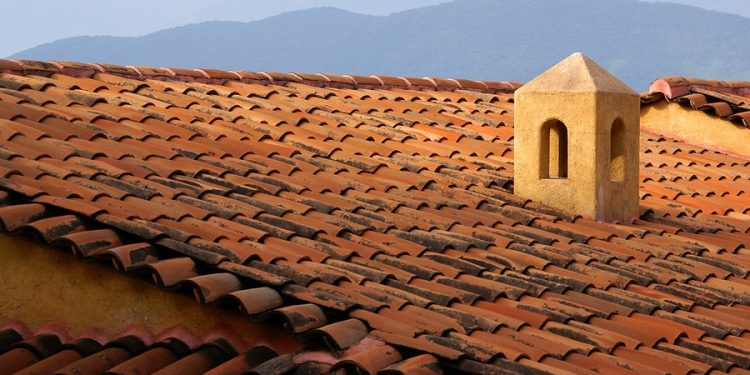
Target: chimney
x=576 y=141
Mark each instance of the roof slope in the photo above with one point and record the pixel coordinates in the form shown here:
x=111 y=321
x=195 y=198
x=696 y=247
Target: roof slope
x=729 y=100
x=386 y=204
x=577 y=73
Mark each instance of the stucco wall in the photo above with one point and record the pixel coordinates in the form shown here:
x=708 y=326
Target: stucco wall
x=696 y=127
x=40 y=285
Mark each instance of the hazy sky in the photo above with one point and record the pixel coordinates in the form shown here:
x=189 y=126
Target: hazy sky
x=28 y=23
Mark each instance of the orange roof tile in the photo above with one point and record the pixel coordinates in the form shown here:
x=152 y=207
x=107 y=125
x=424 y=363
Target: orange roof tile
x=348 y=206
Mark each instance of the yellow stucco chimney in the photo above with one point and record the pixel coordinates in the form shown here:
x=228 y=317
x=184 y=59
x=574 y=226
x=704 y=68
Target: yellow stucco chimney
x=576 y=141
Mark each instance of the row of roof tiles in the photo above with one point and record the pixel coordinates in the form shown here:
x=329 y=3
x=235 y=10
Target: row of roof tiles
x=725 y=99
x=52 y=350
x=30 y=67
x=393 y=208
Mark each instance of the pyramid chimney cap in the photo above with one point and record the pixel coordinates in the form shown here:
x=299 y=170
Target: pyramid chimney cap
x=577 y=73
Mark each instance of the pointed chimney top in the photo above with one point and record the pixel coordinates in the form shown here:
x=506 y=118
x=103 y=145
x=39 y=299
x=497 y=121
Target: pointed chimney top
x=577 y=73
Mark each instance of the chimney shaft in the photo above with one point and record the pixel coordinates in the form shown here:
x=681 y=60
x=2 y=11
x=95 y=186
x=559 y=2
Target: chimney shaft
x=576 y=141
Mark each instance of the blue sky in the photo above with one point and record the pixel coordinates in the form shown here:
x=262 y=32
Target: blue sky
x=29 y=23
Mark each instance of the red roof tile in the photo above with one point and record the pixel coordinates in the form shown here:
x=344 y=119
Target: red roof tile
x=347 y=208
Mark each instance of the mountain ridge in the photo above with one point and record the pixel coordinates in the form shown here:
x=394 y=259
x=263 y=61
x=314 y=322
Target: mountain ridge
x=479 y=39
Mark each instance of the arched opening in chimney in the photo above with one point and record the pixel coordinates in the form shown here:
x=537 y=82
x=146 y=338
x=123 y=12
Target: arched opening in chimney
x=617 y=151
x=554 y=152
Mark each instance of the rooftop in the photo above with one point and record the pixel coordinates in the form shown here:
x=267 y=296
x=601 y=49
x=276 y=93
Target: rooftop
x=725 y=99
x=376 y=210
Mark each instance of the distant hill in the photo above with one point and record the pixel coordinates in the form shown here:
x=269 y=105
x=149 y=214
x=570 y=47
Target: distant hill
x=478 y=39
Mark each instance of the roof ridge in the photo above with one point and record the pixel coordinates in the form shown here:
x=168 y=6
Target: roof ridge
x=676 y=86
x=218 y=76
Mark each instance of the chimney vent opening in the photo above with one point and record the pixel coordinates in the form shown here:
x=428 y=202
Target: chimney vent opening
x=554 y=152
x=617 y=151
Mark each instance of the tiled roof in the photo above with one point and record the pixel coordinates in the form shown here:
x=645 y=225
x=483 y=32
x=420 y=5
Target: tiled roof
x=727 y=99
x=321 y=204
